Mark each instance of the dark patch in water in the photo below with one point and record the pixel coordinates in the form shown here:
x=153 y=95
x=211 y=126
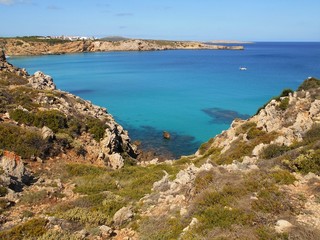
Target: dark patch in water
x=223 y=116
x=81 y=91
x=152 y=140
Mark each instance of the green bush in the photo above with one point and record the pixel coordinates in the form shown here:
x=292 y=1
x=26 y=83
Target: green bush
x=34 y=197
x=223 y=217
x=271 y=200
x=160 y=228
x=273 y=150
x=3 y=191
x=283 y=177
x=96 y=127
x=305 y=163
x=284 y=104
x=22 y=116
x=31 y=229
x=53 y=119
x=24 y=142
x=312 y=134
x=83 y=170
x=254 y=132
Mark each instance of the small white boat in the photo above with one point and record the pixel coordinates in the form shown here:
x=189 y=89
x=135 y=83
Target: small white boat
x=242 y=68
x=7 y=56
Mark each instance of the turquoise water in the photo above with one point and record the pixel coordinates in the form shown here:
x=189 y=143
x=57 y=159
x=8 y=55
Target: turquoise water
x=193 y=94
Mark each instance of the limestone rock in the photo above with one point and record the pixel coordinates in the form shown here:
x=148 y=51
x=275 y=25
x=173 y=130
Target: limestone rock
x=41 y=81
x=47 y=133
x=14 y=172
x=105 y=231
x=123 y=215
x=115 y=161
x=282 y=226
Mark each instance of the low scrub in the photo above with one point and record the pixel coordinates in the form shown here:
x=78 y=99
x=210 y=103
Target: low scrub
x=32 y=229
x=274 y=150
x=25 y=143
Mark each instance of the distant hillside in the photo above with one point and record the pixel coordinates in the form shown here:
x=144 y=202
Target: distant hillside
x=36 y=46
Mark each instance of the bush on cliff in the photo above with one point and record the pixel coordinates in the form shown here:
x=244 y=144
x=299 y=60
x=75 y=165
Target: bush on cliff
x=25 y=143
x=309 y=84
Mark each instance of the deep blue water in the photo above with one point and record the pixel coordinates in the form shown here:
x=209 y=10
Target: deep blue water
x=193 y=94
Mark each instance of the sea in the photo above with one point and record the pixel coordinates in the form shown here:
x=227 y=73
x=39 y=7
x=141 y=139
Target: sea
x=192 y=94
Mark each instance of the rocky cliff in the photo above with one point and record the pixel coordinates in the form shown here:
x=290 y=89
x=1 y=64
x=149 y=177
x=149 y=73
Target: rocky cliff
x=260 y=179
x=30 y=47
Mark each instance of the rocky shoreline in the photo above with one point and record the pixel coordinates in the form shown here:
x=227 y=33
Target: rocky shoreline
x=69 y=171
x=20 y=47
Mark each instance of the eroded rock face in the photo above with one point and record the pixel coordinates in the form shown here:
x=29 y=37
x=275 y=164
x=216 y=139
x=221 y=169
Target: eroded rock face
x=14 y=173
x=41 y=81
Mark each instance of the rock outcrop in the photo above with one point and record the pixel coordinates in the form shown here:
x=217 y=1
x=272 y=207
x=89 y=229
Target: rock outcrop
x=41 y=81
x=14 y=174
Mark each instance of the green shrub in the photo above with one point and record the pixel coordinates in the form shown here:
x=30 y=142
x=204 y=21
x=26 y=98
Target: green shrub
x=96 y=127
x=205 y=146
x=83 y=170
x=223 y=217
x=273 y=150
x=271 y=200
x=243 y=128
x=31 y=229
x=254 y=132
x=305 y=163
x=313 y=134
x=160 y=228
x=3 y=191
x=283 y=177
x=267 y=233
x=25 y=143
x=34 y=197
x=284 y=104
x=53 y=119
x=22 y=116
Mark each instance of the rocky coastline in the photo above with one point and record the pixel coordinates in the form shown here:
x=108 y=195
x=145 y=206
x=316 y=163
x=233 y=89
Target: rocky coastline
x=20 y=47
x=69 y=171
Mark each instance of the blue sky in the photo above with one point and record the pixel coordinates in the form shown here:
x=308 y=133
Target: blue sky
x=255 y=20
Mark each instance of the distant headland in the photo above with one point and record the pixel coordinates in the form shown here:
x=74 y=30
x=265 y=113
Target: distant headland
x=39 y=45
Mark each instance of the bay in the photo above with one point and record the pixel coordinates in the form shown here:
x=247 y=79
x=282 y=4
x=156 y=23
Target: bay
x=193 y=94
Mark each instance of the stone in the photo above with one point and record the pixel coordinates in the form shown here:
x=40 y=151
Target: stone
x=41 y=81
x=163 y=184
x=105 y=231
x=166 y=135
x=47 y=133
x=12 y=165
x=115 y=161
x=123 y=215
x=282 y=226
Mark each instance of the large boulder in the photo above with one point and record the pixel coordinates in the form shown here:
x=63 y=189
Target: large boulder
x=123 y=215
x=14 y=174
x=41 y=81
